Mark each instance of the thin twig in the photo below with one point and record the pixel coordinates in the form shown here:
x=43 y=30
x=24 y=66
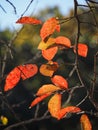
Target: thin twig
x=12 y=6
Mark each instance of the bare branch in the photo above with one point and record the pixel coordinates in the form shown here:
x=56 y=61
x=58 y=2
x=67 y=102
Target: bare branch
x=12 y=6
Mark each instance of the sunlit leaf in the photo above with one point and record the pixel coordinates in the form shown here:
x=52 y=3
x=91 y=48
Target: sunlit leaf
x=22 y=71
x=12 y=79
x=59 y=81
x=54 y=105
x=49 y=68
x=28 y=70
x=64 y=41
x=70 y=109
x=46 y=89
x=4 y=120
x=49 y=27
x=85 y=122
x=28 y=20
x=39 y=99
x=82 y=49
x=44 y=45
x=49 y=54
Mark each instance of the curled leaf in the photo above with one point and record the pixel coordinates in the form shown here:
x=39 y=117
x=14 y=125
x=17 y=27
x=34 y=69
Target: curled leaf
x=44 y=45
x=39 y=99
x=28 y=20
x=70 y=109
x=59 y=81
x=47 y=89
x=49 y=68
x=82 y=50
x=49 y=54
x=49 y=27
x=64 y=41
x=85 y=122
x=28 y=70
x=54 y=105
x=12 y=79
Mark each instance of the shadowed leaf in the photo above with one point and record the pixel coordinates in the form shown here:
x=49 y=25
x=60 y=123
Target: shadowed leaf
x=49 y=68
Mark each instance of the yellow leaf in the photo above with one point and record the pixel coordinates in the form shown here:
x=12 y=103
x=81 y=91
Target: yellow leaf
x=54 y=105
x=44 y=45
x=4 y=120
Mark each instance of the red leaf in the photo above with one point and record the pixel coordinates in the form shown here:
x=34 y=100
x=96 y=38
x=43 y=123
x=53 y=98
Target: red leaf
x=22 y=71
x=82 y=49
x=28 y=20
x=39 y=99
x=12 y=79
x=49 y=54
x=70 y=109
x=85 y=122
x=47 y=89
x=59 y=81
x=28 y=70
x=49 y=27
x=54 y=105
x=63 y=41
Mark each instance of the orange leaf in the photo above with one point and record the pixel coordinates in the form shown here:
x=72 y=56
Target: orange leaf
x=70 y=109
x=49 y=68
x=49 y=54
x=28 y=70
x=85 y=122
x=54 y=105
x=59 y=81
x=12 y=79
x=82 y=49
x=49 y=27
x=28 y=20
x=44 y=45
x=39 y=99
x=63 y=41
x=46 y=89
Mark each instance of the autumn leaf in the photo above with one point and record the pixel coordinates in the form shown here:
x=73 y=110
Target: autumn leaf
x=39 y=99
x=54 y=105
x=46 y=89
x=49 y=68
x=22 y=71
x=85 y=122
x=70 y=109
x=64 y=41
x=49 y=27
x=28 y=20
x=28 y=70
x=82 y=49
x=59 y=81
x=49 y=54
x=44 y=45
x=12 y=79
